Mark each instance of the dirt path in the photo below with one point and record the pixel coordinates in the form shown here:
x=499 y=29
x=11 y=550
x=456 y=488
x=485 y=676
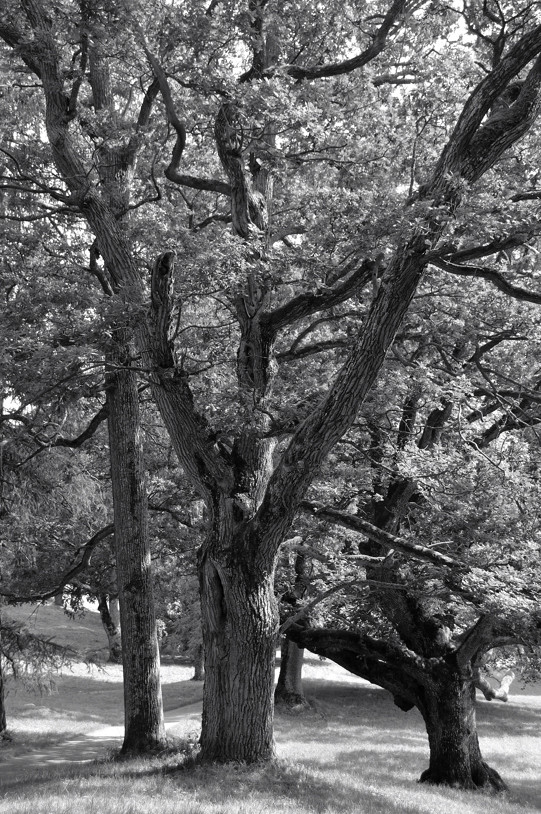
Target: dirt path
x=17 y=770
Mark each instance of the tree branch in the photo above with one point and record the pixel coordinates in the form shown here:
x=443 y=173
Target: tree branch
x=306 y=304
x=171 y=172
x=73 y=571
x=74 y=443
x=475 y=639
x=383 y=538
x=396 y=10
x=492 y=276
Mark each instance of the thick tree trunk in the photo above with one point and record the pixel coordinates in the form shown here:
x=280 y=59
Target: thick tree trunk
x=448 y=709
x=239 y=626
x=143 y=710
x=289 y=690
x=112 y=630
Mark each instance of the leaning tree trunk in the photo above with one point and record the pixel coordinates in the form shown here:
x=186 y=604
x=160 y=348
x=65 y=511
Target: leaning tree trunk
x=143 y=709
x=112 y=630
x=289 y=691
x=448 y=709
x=239 y=627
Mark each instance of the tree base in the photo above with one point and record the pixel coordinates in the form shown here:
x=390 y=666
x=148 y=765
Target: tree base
x=292 y=701
x=147 y=748
x=484 y=778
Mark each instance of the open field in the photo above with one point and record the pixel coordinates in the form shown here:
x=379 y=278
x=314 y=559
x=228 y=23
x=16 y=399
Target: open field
x=355 y=752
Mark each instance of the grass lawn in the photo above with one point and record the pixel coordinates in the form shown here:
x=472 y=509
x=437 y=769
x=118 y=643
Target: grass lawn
x=84 y=696
x=354 y=753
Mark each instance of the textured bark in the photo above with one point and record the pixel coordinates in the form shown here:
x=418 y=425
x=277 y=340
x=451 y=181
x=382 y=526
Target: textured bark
x=112 y=630
x=448 y=709
x=143 y=710
x=289 y=691
x=239 y=628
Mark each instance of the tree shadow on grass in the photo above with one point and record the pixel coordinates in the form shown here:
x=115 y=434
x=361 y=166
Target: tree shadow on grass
x=351 y=710
x=232 y=787
x=512 y=718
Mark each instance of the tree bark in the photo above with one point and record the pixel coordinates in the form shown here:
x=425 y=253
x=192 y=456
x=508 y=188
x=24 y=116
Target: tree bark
x=112 y=630
x=448 y=709
x=239 y=630
x=143 y=709
x=289 y=691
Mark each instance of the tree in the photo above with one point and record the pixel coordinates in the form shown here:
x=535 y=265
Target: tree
x=287 y=110
x=143 y=708
x=421 y=618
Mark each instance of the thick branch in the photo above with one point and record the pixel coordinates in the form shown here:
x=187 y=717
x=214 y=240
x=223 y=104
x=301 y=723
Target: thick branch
x=472 y=149
x=396 y=669
x=396 y=10
x=503 y=244
x=492 y=276
x=171 y=172
x=476 y=638
x=187 y=427
x=500 y=693
x=96 y=421
x=533 y=195
x=383 y=538
x=306 y=304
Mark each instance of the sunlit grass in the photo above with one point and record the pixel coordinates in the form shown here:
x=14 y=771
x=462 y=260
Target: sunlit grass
x=354 y=753
x=84 y=696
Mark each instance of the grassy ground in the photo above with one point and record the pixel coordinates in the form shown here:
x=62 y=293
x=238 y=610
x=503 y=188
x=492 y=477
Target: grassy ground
x=354 y=753
x=84 y=696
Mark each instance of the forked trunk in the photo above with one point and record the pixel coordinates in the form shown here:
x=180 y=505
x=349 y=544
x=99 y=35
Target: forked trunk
x=448 y=709
x=112 y=630
x=289 y=690
x=239 y=625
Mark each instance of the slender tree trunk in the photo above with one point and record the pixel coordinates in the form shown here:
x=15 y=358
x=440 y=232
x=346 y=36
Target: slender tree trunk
x=3 y=723
x=143 y=710
x=112 y=630
x=289 y=691
x=114 y=610
x=199 y=664
x=448 y=709
x=239 y=626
